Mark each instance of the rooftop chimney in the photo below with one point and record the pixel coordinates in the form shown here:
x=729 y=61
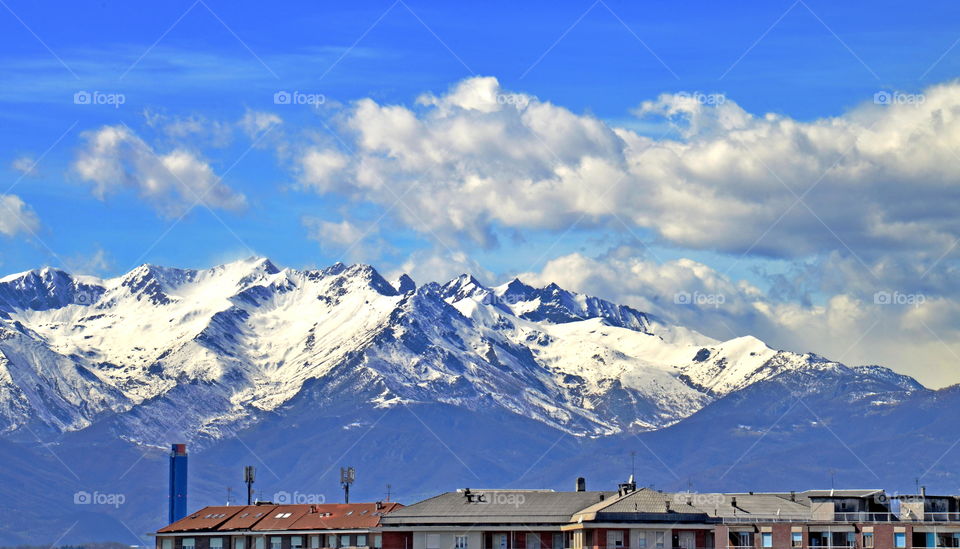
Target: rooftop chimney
x=581 y=484
x=178 y=482
x=923 y=491
x=793 y=496
x=627 y=487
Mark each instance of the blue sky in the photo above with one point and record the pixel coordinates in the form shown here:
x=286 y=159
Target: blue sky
x=190 y=73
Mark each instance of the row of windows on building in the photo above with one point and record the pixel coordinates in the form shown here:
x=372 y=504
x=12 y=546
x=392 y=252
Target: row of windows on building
x=316 y=541
x=564 y=540
x=848 y=539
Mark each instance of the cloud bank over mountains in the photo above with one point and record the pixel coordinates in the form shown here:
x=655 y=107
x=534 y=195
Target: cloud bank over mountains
x=861 y=203
x=856 y=210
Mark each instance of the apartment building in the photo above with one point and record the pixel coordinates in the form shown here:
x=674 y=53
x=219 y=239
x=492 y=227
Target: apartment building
x=631 y=518
x=269 y=526
x=625 y=518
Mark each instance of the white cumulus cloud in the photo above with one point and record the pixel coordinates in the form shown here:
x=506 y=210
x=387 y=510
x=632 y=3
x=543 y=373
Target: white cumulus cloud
x=16 y=216
x=480 y=158
x=115 y=158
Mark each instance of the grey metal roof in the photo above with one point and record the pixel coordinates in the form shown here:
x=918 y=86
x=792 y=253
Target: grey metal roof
x=496 y=507
x=643 y=504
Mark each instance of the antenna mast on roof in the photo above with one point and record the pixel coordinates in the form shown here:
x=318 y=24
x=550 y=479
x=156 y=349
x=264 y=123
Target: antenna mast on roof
x=388 y=493
x=347 y=476
x=249 y=475
x=633 y=463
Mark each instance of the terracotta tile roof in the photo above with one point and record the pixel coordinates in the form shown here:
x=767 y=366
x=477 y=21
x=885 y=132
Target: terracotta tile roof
x=343 y=516
x=208 y=518
x=247 y=516
x=281 y=517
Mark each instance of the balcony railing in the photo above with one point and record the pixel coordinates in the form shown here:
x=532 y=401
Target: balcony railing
x=865 y=517
x=941 y=517
x=847 y=517
x=757 y=518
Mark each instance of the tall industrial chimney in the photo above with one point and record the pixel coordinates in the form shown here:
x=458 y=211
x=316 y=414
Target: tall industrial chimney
x=178 y=482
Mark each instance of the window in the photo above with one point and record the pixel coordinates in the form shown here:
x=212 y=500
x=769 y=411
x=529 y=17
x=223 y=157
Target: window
x=796 y=539
x=642 y=540
x=900 y=540
x=216 y=543
x=767 y=539
x=868 y=539
x=502 y=544
x=433 y=541
x=614 y=538
x=238 y=543
x=659 y=540
x=345 y=540
x=276 y=542
x=377 y=541
x=188 y=543
x=258 y=543
x=361 y=540
x=533 y=541
x=296 y=542
x=461 y=542
x=314 y=542
x=331 y=540
x=166 y=543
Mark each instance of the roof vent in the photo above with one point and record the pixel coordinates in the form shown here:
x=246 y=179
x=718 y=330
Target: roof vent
x=793 y=496
x=667 y=505
x=379 y=505
x=581 y=484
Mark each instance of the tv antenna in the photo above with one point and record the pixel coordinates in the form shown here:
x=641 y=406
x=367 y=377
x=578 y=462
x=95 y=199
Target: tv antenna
x=347 y=476
x=388 y=492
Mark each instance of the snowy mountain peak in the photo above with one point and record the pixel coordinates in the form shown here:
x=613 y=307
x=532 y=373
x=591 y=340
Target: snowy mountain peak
x=462 y=287
x=405 y=284
x=227 y=344
x=46 y=289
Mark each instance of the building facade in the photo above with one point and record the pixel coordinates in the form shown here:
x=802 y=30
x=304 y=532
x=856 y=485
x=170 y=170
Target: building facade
x=626 y=518
x=270 y=526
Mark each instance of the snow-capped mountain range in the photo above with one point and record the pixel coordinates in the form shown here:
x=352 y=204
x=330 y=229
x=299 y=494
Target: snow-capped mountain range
x=200 y=354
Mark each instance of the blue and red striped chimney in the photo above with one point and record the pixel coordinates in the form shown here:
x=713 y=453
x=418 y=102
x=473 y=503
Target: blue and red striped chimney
x=178 y=482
